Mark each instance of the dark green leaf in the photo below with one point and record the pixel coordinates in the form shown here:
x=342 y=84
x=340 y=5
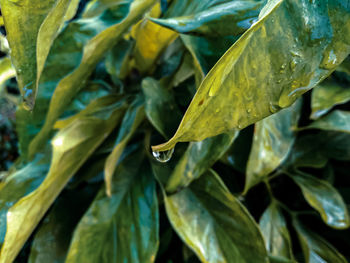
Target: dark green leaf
x=71 y=148
x=213 y=223
x=198 y=158
x=315 y=248
x=123 y=227
x=325 y=199
x=273 y=138
x=335 y=121
x=274 y=229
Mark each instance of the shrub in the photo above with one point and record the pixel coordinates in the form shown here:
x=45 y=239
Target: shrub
x=102 y=82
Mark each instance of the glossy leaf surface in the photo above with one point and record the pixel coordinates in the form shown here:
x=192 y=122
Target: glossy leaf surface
x=276 y=235
x=335 y=121
x=124 y=226
x=93 y=52
x=213 y=223
x=71 y=147
x=315 y=248
x=231 y=18
x=273 y=138
x=327 y=95
x=325 y=199
x=222 y=104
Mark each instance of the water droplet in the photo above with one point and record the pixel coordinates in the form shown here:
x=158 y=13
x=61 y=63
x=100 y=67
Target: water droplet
x=240 y=126
x=329 y=60
x=273 y=108
x=279 y=81
x=295 y=53
x=249 y=110
x=283 y=67
x=217 y=110
x=164 y=156
x=28 y=97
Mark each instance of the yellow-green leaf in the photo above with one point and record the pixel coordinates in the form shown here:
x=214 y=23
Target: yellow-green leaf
x=293 y=46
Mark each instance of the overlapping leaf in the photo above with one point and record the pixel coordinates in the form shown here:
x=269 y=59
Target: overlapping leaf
x=31 y=28
x=246 y=86
x=273 y=138
x=94 y=50
x=335 y=121
x=325 y=199
x=124 y=226
x=212 y=222
x=71 y=147
x=315 y=248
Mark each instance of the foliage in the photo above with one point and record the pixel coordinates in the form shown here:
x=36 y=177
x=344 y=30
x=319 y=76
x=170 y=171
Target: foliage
x=259 y=173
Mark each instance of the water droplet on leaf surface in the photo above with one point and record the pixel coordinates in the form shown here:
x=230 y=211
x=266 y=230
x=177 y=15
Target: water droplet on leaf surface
x=164 y=156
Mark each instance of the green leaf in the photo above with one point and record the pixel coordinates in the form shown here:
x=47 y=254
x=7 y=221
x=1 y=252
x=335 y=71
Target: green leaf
x=337 y=120
x=18 y=185
x=327 y=95
x=198 y=158
x=299 y=42
x=6 y=71
x=232 y=18
x=315 y=248
x=325 y=199
x=131 y=121
x=31 y=27
x=123 y=227
x=273 y=138
x=51 y=241
x=71 y=148
x=274 y=229
x=213 y=223
x=93 y=52
x=161 y=109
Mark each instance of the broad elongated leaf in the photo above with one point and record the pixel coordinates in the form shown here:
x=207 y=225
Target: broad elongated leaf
x=232 y=18
x=132 y=119
x=71 y=148
x=198 y=158
x=31 y=27
x=235 y=95
x=123 y=227
x=273 y=138
x=17 y=185
x=52 y=240
x=335 y=121
x=315 y=248
x=94 y=51
x=325 y=199
x=274 y=229
x=161 y=109
x=327 y=95
x=213 y=223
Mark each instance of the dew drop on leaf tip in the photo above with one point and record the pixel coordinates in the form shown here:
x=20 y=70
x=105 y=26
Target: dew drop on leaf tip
x=163 y=156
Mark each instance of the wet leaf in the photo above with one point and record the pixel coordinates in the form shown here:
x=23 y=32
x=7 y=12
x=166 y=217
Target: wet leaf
x=131 y=121
x=123 y=227
x=325 y=199
x=315 y=248
x=213 y=223
x=198 y=158
x=327 y=95
x=231 y=18
x=71 y=148
x=335 y=121
x=273 y=138
x=274 y=229
x=94 y=50
x=314 y=35
x=31 y=27
x=161 y=109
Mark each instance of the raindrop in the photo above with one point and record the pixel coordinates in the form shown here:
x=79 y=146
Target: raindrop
x=28 y=97
x=329 y=60
x=273 y=108
x=164 y=156
x=293 y=64
x=249 y=110
x=283 y=67
x=295 y=53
